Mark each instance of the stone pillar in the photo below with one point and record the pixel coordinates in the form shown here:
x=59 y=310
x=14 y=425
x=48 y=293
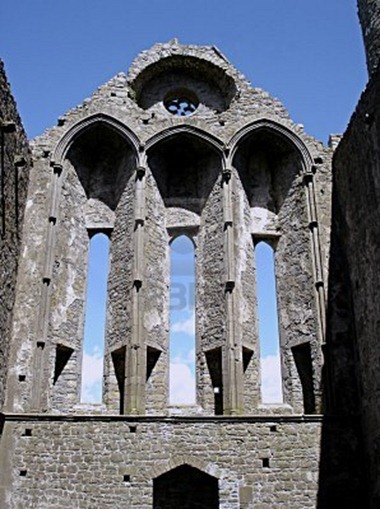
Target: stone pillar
x=232 y=350
x=135 y=369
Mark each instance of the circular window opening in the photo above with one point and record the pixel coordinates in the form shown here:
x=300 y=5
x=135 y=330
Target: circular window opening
x=181 y=103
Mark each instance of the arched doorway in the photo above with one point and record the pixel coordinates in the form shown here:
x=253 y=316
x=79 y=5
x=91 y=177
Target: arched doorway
x=185 y=487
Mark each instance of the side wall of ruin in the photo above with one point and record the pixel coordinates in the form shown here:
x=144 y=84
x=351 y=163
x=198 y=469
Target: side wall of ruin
x=14 y=176
x=354 y=306
x=369 y=14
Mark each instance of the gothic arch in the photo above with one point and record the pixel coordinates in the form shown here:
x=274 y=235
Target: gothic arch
x=215 y=143
x=201 y=464
x=67 y=140
x=187 y=487
x=186 y=163
x=277 y=129
x=274 y=172
x=95 y=159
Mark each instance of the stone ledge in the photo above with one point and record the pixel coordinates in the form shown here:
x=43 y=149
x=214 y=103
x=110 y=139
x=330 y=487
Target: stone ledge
x=19 y=417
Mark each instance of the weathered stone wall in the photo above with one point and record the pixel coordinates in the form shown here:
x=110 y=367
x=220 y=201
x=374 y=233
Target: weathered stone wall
x=235 y=171
x=353 y=348
x=258 y=463
x=369 y=14
x=14 y=176
x=108 y=166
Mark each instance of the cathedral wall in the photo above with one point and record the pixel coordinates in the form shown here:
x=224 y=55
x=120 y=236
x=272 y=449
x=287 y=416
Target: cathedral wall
x=233 y=174
x=354 y=288
x=14 y=175
x=369 y=14
x=112 y=463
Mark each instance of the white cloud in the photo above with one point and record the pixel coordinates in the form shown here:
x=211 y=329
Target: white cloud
x=271 y=388
x=92 y=374
x=182 y=379
x=187 y=325
x=189 y=359
x=182 y=384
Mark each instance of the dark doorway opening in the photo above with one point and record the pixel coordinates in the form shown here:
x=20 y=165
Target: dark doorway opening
x=185 y=487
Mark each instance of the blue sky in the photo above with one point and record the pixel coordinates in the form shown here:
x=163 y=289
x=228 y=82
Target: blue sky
x=269 y=339
x=308 y=54
x=93 y=347
x=182 y=320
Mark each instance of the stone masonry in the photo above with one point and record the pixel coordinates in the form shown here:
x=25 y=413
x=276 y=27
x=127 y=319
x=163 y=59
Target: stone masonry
x=369 y=14
x=14 y=176
x=234 y=172
x=354 y=280
x=183 y=145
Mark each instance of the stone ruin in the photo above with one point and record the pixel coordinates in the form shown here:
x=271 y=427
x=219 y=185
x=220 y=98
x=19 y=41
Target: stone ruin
x=182 y=145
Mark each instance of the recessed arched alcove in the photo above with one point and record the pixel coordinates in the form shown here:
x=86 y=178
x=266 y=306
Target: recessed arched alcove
x=185 y=487
x=212 y=86
x=186 y=198
x=95 y=196
x=103 y=161
x=267 y=164
x=185 y=168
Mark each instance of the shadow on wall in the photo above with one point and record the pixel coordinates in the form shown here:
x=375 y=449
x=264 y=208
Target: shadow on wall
x=100 y=157
x=267 y=165
x=186 y=170
x=342 y=481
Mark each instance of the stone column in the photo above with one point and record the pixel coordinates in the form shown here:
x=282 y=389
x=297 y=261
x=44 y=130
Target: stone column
x=135 y=368
x=318 y=274
x=316 y=255
x=232 y=350
x=43 y=316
